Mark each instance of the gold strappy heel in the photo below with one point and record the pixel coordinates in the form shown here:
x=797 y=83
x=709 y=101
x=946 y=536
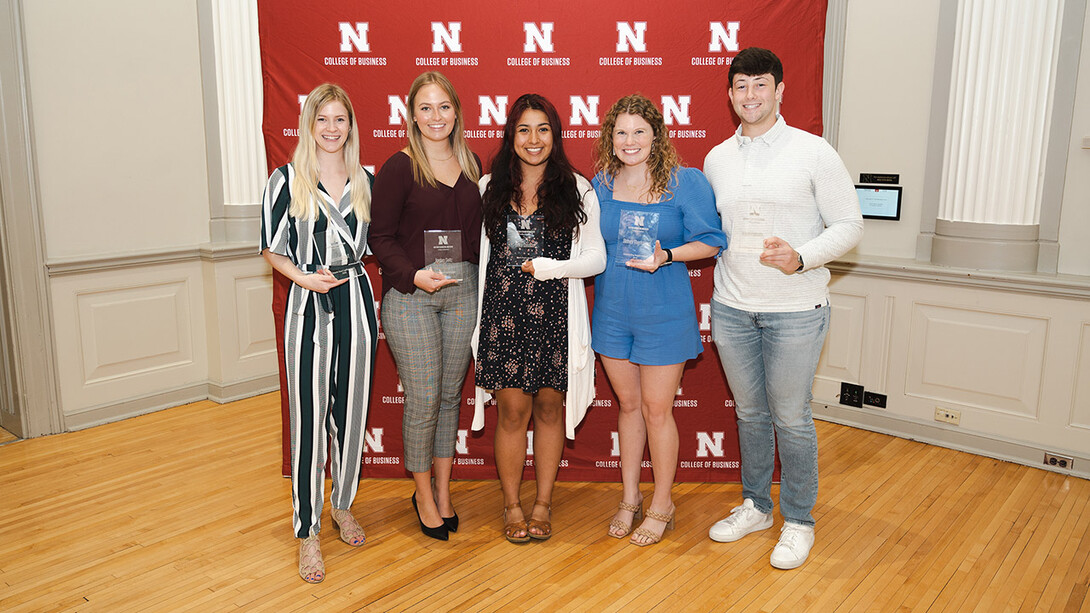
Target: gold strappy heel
x=351 y=531
x=311 y=565
x=651 y=536
x=637 y=513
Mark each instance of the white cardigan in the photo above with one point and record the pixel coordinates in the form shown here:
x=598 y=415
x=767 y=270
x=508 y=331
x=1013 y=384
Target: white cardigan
x=588 y=258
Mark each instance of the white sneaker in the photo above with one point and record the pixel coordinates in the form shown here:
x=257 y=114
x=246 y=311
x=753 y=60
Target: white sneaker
x=794 y=546
x=743 y=520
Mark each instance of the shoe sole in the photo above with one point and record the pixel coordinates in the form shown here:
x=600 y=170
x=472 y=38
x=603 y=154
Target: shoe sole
x=727 y=539
x=792 y=566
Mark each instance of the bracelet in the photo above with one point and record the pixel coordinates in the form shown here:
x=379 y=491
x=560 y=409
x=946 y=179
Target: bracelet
x=669 y=256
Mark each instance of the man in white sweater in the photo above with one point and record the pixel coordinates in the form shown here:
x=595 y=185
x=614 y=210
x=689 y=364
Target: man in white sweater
x=788 y=206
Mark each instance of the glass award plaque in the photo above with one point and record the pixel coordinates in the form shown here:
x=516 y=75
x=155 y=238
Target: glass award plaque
x=337 y=257
x=750 y=229
x=524 y=236
x=636 y=235
x=442 y=248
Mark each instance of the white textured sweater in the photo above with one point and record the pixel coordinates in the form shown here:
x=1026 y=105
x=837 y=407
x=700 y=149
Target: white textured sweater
x=801 y=188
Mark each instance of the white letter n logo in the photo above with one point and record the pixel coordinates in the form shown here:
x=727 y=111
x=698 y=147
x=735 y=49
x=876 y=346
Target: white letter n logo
x=538 y=39
x=372 y=440
x=723 y=37
x=709 y=445
x=630 y=36
x=354 y=37
x=676 y=111
x=446 y=36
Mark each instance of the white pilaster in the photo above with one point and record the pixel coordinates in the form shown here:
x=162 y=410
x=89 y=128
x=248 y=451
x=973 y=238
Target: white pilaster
x=1002 y=85
x=239 y=106
x=1000 y=111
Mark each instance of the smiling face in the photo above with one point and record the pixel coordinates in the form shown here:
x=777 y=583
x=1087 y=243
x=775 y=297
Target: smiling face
x=632 y=139
x=533 y=142
x=434 y=113
x=331 y=127
x=756 y=100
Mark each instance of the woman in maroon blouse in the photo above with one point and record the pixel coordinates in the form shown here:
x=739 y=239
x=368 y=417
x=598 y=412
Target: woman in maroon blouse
x=425 y=231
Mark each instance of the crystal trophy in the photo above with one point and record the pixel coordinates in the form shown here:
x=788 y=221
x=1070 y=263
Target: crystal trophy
x=750 y=229
x=524 y=235
x=442 y=249
x=636 y=235
x=337 y=257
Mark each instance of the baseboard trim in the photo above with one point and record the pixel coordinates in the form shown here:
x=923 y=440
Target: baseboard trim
x=97 y=416
x=243 y=389
x=1018 y=452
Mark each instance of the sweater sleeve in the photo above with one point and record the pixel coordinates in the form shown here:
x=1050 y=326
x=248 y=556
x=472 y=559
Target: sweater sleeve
x=838 y=204
x=591 y=257
x=391 y=190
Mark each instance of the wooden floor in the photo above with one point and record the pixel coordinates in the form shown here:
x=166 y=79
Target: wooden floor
x=185 y=510
x=6 y=437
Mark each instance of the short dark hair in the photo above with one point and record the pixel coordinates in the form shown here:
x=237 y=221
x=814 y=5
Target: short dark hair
x=753 y=61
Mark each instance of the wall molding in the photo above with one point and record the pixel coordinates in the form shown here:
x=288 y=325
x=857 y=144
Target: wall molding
x=989 y=445
x=1042 y=284
x=209 y=252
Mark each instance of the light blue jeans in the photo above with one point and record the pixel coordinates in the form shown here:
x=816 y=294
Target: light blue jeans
x=770 y=360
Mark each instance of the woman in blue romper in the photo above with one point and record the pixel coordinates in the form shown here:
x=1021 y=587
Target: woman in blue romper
x=654 y=213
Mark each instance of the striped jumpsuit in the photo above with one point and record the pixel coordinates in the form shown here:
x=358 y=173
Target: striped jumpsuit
x=329 y=348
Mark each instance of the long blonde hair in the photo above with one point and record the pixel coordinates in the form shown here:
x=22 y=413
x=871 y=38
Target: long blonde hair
x=305 y=198
x=421 y=168
x=663 y=161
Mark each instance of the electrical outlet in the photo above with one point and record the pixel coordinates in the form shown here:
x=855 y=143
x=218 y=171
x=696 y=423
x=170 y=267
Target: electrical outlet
x=1058 y=461
x=949 y=416
x=851 y=395
x=874 y=399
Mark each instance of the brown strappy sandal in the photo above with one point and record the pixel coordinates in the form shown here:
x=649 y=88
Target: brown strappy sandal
x=511 y=528
x=544 y=527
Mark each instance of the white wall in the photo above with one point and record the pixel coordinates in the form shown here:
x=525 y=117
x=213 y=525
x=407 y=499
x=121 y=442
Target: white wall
x=146 y=312
x=885 y=106
x=1010 y=352
x=885 y=119
x=118 y=124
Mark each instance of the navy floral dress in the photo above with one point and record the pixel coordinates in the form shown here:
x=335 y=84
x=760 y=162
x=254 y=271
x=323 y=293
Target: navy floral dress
x=523 y=341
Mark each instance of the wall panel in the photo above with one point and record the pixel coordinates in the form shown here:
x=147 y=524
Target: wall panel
x=974 y=357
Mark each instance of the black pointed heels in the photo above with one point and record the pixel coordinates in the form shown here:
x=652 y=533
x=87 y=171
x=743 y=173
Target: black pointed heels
x=440 y=532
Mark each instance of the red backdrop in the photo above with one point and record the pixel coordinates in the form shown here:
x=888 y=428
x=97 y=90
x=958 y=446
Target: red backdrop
x=582 y=57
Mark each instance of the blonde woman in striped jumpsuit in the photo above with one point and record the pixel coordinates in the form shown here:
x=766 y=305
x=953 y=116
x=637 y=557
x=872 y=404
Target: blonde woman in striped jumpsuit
x=315 y=217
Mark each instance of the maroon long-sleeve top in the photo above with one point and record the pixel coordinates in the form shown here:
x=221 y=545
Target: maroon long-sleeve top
x=402 y=209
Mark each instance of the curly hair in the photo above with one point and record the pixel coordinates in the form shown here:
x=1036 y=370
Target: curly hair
x=558 y=196
x=663 y=161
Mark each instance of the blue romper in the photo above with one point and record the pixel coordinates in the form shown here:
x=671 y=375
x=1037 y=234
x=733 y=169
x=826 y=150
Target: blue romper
x=650 y=318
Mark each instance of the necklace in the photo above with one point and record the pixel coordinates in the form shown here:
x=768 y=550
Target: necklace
x=431 y=159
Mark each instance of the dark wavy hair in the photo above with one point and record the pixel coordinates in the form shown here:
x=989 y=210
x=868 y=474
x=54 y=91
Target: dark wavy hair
x=558 y=197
